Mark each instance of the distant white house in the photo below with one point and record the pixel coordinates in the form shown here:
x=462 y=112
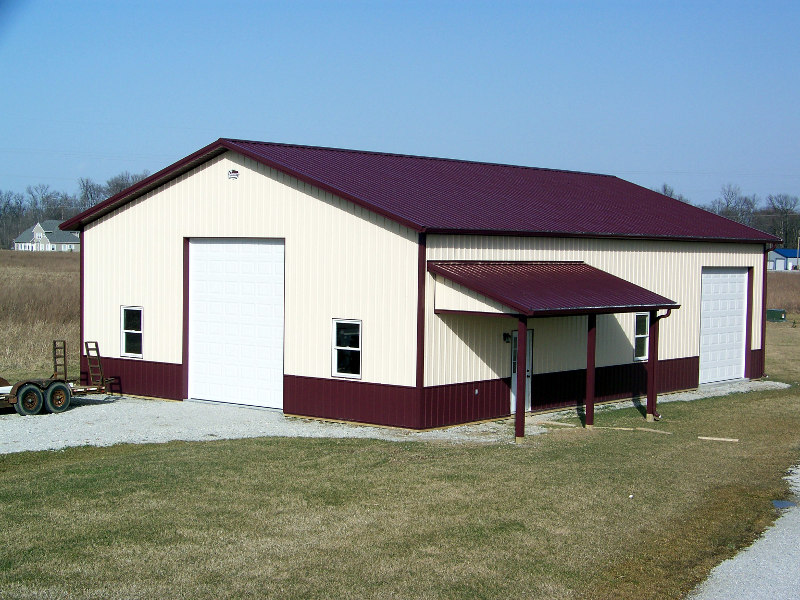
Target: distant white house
x=782 y=259
x=47 y=237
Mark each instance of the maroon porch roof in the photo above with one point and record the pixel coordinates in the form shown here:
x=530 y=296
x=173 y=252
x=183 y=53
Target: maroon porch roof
x=539 y=289
x=455 y=196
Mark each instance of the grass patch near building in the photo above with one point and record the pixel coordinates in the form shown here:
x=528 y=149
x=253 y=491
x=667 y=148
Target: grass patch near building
x=783 y=349
x=783 y=290
x=311 y=518
x=39 y=302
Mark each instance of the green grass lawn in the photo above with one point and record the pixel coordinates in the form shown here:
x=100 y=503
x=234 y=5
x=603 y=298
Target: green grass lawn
x=304 y=518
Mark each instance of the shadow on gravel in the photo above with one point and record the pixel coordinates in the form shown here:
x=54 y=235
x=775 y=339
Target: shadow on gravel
x=78 y=401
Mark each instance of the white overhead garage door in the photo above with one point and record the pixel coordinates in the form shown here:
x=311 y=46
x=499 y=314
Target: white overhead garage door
x=236 y=321
x=723 y=317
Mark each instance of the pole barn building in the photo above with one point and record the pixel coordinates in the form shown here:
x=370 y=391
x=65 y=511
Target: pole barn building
x=409 y=291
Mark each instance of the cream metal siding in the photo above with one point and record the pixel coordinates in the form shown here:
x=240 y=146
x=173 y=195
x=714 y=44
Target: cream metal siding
x=449 y=295
x=672 y=269
x=341 y=262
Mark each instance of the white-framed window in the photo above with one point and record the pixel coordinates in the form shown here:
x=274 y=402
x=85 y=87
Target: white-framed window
x=346 y=348
x=641 y=336
x=131 y=331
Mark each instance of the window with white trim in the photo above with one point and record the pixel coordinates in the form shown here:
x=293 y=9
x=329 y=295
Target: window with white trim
x=641 y=336
x=131 y=331
x=346 y=348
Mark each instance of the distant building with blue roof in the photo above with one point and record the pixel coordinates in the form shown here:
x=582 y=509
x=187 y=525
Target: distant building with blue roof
x=782 y=259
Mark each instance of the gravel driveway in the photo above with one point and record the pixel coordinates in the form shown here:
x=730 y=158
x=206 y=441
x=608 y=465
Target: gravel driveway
x=108 y=420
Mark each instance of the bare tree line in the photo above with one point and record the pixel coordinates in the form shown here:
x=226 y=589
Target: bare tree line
x=778 y=214
x=18 y=211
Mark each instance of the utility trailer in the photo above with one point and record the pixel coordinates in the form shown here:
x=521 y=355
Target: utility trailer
x=54 y=394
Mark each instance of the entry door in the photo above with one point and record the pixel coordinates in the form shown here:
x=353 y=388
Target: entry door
x=528 y=370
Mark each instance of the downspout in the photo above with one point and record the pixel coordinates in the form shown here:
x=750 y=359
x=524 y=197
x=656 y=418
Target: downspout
x=652 y=365
x=767 y=249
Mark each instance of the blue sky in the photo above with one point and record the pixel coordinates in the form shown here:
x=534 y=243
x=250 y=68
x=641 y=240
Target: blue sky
x=695 y=94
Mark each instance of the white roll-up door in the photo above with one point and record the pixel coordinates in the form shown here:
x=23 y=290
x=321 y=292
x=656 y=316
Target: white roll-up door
x=236 y=321
x=723 y=317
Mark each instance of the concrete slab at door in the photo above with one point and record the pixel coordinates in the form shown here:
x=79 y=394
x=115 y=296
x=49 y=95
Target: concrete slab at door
x=236 y=321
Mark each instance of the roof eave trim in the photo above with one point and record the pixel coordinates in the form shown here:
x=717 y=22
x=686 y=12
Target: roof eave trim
x=596 y=235
x=601 y=310
x=564 y=312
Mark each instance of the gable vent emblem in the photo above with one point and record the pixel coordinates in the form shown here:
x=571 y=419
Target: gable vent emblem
x=233 y=174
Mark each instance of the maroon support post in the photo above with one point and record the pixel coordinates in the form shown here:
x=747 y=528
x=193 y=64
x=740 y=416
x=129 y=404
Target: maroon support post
x=591 y=344
x=522 y=376
x=652 y=362
x=748 y=328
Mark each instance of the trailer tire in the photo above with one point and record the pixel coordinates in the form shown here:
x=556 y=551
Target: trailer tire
x=57 y=397
x=29 y=400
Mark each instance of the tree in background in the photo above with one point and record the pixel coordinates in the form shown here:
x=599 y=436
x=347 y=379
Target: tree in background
x=40 y=203
x=734 y=205
x=669 y=191
x=12 y=209
x=90 y=193
x=122 y=182
x=785 y=221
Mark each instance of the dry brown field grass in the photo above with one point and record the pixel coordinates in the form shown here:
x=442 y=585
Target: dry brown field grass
x=783 y=350
x=783 y=290
x=39 y=302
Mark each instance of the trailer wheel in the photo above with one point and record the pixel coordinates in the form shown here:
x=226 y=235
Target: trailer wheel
x=29 y=400
x=57 y=397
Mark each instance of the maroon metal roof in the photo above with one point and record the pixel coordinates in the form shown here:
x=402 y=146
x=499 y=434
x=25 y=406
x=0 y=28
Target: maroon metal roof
x=455 y=196
x=540 y=289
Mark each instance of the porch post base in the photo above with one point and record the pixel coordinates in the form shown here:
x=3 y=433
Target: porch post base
x=651 y=418
x=519 y=440
x=588 y=426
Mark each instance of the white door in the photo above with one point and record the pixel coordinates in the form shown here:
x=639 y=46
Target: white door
x=528 y=370
x=723 y=316
x=236 y=321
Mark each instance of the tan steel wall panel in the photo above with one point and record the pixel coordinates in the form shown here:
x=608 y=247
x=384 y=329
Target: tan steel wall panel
x=671 y=269
x=449 y=295
x=341 y=262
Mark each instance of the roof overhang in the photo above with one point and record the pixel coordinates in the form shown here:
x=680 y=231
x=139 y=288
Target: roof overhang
x=537 y=289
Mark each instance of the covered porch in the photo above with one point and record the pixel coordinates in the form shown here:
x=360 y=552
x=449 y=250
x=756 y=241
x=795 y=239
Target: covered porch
x=544 y=289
